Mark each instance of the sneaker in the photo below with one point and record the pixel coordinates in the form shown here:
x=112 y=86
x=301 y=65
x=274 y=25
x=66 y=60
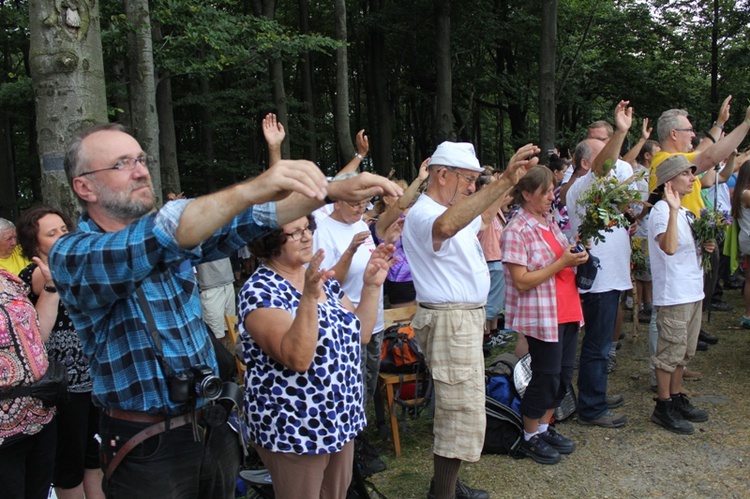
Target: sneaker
x=611 y=364
x=745 y=323
x=614 y=401
x=689 y=412
x=709 y=338
x=608 y=419
x=539 y=450
x=667 y=416
x=463 y=491
x=721 y=306
x=561 y=444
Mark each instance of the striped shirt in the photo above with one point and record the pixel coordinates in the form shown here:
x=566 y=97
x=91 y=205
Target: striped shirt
x=97 y=274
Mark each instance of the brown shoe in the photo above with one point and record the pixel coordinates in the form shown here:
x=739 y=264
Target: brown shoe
x=691 y=375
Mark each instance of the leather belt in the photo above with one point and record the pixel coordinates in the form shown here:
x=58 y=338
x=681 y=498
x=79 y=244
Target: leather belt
x=161 y=424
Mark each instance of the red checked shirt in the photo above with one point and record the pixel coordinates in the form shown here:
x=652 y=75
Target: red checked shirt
x=533 y=312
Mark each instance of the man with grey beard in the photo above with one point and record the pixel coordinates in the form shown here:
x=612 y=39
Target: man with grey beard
x=126 y=279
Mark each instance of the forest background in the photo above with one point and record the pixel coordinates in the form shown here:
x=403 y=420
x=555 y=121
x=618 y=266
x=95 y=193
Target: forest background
x=193 y=79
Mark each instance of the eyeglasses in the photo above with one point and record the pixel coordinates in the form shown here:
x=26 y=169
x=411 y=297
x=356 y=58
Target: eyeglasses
x=684 y=129
x=361 y=204
x=468 y=178
x=126 y=164
x=297 y=234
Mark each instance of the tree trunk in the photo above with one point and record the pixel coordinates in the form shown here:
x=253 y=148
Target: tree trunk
x=715 y=61
x=144 y=117
x=8 y=196
x=444 y=98
x=276 y=73
x=170 y=171
x=341 y=114
x=381 y=115
x=310 y=148
x=207 y=138
x=68 y=78
x=547 y=77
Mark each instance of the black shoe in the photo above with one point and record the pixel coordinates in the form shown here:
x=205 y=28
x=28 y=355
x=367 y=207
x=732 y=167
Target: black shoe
x=367 y=458
x=558 y=442
x=708 y=337
x=721 y=306
x=539 y=450
x=608 y=419
x=689 y=411
x=667 y=416
x=734 y=284
x=463 y=491
x=702 y=346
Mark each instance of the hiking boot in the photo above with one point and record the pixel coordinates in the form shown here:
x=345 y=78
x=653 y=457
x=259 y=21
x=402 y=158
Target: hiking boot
x=614 y=401
x=463 y=491
x=689 y=412
x=539 y=450
x=611 y=364
x=667 y=416
x=558 y=442
x=608 y=419
x=709 y=338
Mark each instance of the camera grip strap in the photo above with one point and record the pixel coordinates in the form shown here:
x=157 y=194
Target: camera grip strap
x=151 y=324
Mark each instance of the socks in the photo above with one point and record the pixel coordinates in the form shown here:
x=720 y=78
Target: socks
x=528 y=436
x=446 y=475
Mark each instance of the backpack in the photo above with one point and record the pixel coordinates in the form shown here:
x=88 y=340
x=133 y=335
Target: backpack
x=400 y=352
x=502 y=406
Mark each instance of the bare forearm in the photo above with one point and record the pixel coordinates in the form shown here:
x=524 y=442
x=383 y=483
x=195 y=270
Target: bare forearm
x=46 y=309
x=297 y=348
x=611 y=152
x=525 y=280
x=631 y=157
x=341 y=268
x=274 y=154
x=367 y=310
x=715 y=153
x=669 y=239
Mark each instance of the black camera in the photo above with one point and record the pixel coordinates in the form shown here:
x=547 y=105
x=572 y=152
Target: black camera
x=579 y=247
x=199 y=381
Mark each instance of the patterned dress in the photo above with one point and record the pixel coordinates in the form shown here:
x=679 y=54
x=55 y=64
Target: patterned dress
x=319 y=410
x=23 y=361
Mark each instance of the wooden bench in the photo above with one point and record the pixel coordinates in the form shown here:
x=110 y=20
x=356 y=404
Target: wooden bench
x=388 y=382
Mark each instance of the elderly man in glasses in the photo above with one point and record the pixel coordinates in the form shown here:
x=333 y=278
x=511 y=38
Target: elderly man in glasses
x=126 y=279
x=452 y=282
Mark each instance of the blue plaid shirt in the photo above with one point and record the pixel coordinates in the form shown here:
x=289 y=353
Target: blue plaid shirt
x=97 y=274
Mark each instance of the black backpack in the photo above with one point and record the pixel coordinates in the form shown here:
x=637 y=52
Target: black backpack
x=504 y=429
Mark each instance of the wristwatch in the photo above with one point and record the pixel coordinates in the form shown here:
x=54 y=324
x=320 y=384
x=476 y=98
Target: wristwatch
x=358 y=155
x=717 y=125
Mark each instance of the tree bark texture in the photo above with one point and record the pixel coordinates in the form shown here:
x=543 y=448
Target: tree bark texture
x=381 y=114
x=276 y=73
x=547 y=77
x=68 y=79
x=168 y=166
x=341 y=114
x=310 y=149
x=444 y=98
x=143 y=115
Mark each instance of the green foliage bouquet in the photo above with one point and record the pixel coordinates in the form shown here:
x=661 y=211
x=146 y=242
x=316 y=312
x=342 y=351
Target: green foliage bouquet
x=604 y=204
x=707 y=228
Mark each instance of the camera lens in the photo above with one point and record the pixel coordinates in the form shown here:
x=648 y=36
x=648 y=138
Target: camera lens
x=209 y=387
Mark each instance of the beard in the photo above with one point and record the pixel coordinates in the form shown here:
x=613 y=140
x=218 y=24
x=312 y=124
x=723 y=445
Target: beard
x=121 y=206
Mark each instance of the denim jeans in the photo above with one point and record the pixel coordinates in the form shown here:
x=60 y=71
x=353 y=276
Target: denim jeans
x=171 y=464
x=600 y=314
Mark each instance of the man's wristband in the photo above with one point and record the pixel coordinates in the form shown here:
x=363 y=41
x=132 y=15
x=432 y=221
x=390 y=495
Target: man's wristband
x=358 y=155
x=50 y=289
x=328 y=200
x=711 y=137
x=717 y=125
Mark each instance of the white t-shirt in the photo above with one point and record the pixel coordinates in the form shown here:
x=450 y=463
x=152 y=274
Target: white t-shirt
x=457 y=272
x=678 y=278
x=334 y=237
x=614 y=252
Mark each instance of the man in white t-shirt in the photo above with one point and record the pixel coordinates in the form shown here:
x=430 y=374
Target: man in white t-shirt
x=452 y=281
x=600 y=303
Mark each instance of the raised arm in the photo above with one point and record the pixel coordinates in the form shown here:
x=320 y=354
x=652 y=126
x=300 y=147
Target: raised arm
x=203 y=216
x=363 y=147
x=394 y=211
x=631 y=157
x=668 y=239
x=714 y=134
x=722 y=148
x=274 y=133
x=459 y=215
x=48 y=302
x=611 y=150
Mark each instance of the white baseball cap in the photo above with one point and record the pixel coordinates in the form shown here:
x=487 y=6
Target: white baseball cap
x=456 y=155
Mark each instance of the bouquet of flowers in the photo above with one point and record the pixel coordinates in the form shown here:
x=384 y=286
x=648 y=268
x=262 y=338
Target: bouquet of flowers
x=638 y=261
x=604 y=204
x=707 y=228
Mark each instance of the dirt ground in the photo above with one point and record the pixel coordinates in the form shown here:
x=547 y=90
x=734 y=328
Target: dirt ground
x=639 y=460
